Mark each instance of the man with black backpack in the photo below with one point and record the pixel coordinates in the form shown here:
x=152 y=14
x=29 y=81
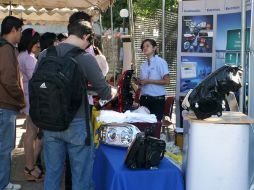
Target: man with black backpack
x=11 y=96
x=58 y=104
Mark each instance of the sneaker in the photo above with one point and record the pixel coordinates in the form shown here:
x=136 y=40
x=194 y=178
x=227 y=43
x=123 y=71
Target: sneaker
x=12 y=186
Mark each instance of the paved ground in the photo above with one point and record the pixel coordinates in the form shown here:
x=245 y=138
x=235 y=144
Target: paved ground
x=18 y=162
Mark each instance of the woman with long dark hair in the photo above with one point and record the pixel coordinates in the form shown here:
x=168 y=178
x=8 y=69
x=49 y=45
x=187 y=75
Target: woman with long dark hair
x=29 y=47
x=154 y=75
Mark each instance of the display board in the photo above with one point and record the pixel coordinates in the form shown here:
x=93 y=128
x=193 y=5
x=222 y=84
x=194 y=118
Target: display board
x=209 y=36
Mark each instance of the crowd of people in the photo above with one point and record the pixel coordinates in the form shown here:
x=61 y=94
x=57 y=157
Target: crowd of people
x=61 y=148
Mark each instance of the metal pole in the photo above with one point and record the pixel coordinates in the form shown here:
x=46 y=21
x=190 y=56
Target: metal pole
x=163 y=29
x=10 y=11
x=101 y=32
x=112 y=42
x=243 y=53
x=123 y=25
x=132 y=35
x=251 y=66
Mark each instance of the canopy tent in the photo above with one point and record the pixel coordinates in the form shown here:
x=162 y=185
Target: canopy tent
x=78 y=4
x=50 y=12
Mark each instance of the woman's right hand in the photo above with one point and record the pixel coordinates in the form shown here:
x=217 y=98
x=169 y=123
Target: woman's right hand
x=136 y=80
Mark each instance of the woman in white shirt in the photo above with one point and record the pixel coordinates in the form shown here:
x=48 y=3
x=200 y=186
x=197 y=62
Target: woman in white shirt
x=154 y=75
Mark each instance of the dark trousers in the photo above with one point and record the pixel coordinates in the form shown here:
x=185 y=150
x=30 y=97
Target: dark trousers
x=155 y=104
x=68 y=181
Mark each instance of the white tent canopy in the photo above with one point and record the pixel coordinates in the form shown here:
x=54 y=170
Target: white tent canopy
x=78 y=4
x=50 y=12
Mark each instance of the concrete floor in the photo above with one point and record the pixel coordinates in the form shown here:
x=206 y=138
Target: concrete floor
x=18 y=160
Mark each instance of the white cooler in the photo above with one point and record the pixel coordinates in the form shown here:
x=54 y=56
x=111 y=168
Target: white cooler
x=216 y=152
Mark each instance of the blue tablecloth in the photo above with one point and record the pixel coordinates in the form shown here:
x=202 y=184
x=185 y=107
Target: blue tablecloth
x=110 y=173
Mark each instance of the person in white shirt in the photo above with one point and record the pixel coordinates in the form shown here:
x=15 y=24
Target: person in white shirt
x=154 y=75
x=101 y=60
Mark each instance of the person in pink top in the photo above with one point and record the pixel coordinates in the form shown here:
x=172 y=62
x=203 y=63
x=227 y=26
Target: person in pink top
x=29 y=47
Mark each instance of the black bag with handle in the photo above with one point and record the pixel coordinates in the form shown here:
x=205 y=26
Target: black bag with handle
x=208 y=98
x=145 y=152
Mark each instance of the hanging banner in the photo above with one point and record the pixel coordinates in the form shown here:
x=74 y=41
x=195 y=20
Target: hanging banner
x=209 y=36
x=209 y=29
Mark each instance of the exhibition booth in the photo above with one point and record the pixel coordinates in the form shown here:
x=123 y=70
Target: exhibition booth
x=133 y=151
x=217 y=151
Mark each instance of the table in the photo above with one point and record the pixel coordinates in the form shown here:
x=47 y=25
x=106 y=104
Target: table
x=217 y=151
x=110 y=173
x=141 y=125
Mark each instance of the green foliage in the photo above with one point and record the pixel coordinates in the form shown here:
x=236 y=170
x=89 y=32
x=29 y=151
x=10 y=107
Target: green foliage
x=117 y=20
x=147 y=8
x=143 y=8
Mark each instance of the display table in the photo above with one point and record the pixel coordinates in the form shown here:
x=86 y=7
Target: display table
x=141 y=125
x=110 y=173
x=216 y=152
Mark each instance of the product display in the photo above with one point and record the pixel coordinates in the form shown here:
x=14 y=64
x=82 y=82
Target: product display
x=145 y=152
x=118 y=134
x=124 y=100
x=208 y=98
x=125 y=91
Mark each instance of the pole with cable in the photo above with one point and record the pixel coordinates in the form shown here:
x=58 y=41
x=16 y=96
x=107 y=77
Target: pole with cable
x=251 y=67
x=112 y=41
x=163 y=29
x=132 y=35
x=243 y=54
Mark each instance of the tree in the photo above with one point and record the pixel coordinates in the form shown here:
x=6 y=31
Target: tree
x=143 y=8
x=147 y=8
x=117 y=20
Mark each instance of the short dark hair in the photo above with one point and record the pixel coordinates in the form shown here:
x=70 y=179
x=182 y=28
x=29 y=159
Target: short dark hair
x=96 y=51
x=80 y=15
x=61 y=36
x=8 y=23
x=28 y=39
x=47 y=39
x=152 y=42
x=79 y=28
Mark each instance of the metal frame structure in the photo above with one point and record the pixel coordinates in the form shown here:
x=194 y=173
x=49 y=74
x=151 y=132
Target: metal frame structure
x=251 y=67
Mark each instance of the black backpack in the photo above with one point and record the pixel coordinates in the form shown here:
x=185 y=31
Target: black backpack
x=56 y=90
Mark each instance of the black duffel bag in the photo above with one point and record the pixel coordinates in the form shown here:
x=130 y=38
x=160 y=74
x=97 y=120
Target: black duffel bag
x=145 y=152
x=208 y=98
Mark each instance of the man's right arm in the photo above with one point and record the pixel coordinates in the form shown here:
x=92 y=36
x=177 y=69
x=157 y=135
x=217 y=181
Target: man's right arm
x=94 y=75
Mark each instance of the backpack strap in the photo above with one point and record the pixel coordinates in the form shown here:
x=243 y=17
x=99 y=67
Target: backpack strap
x=51 y=51
x=88 y=131
x=74 y=52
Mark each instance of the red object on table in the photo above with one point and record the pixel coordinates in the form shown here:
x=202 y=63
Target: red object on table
x=143 y=125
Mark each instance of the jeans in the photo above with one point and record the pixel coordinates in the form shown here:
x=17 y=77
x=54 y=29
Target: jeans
x=72 y=140
x=7 y=143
